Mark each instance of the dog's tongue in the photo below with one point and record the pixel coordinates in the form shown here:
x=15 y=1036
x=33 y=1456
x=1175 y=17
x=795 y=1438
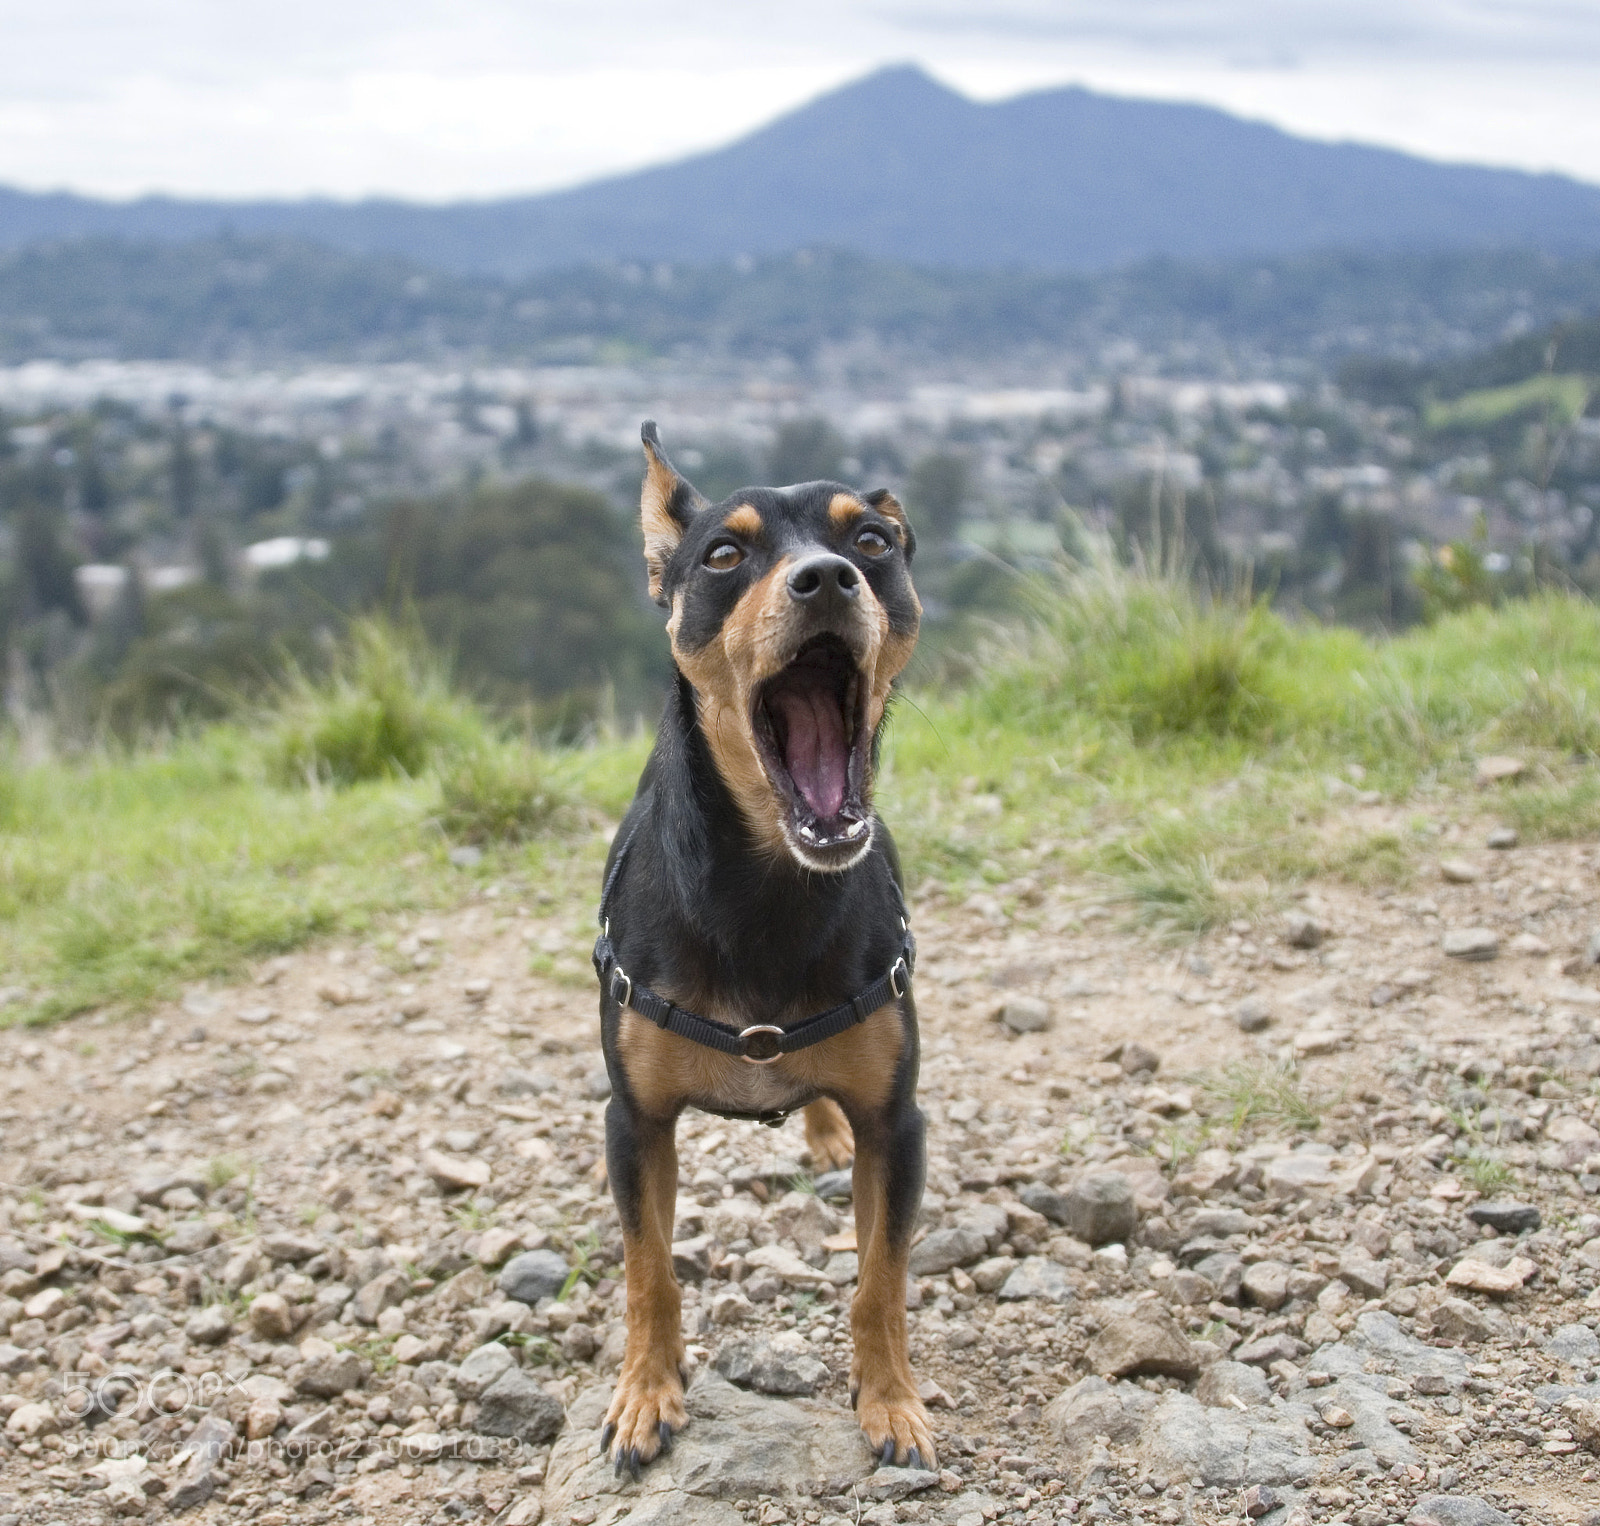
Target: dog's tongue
x=814 y=748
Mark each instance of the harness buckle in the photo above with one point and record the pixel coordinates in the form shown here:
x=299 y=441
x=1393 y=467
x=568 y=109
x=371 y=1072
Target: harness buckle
x=763 y=1043
x=900 y=976
x=621 y=987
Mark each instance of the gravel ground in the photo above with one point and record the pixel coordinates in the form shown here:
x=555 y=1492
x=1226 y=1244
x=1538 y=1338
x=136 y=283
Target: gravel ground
x=253 y=1246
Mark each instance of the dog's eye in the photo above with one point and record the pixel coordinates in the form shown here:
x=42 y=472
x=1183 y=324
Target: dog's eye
x=724 y=556
x=870 y=543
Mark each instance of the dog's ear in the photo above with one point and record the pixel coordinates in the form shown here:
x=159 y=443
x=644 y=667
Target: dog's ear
x=888 y=505
x=667 y=504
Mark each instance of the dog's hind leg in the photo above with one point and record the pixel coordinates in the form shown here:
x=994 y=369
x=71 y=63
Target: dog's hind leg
x=647 y=1406
x=887 y=1180
x=828 y=1136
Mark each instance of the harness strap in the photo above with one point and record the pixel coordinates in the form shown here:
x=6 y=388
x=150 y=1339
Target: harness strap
x=760 y=1043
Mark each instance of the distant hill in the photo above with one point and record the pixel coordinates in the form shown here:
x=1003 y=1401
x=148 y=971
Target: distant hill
x=898 y=167
x=265 y=299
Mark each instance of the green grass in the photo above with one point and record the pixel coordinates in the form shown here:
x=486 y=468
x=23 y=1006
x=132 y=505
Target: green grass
x=1561 y=398
x=1185 y=758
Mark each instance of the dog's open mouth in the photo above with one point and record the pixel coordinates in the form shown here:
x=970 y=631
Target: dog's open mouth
x=811 y=734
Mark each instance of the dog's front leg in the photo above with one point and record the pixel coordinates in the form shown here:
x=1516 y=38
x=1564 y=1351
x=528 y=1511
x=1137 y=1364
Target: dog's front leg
x=647 y=1407
x=889 y=1170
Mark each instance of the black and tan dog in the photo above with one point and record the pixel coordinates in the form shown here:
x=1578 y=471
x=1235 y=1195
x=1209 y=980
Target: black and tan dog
x=755 y=958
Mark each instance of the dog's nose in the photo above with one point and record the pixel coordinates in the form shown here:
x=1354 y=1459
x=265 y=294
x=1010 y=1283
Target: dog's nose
x=824 y=581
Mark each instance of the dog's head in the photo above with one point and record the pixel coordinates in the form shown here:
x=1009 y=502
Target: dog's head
x=792 y=614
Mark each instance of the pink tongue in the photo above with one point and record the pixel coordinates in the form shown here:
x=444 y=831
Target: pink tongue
x=814 y=748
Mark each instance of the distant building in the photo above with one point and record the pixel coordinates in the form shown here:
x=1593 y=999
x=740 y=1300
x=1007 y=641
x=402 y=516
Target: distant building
x=283 y=551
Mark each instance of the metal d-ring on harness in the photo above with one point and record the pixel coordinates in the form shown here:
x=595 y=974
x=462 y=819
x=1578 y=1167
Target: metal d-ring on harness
x=760 y=1043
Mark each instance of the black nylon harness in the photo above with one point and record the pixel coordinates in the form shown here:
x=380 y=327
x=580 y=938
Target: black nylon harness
x=760 y=1043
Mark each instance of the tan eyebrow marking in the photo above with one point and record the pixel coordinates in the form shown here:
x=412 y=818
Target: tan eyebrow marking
x=743 y=521
x=844 y=508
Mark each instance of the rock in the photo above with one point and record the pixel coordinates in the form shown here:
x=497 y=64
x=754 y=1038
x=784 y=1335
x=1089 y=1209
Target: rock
x=988 y=1275
x=1301 y=930
x=782 y=1365
x=1024 y=1014
x=834 y=1186
x=890 y=1483
x=1457 y=871
x=1496 y=769
x=787 y=1266
x=262 y=1418
x=329 y=1374
x=1223 y=1447
x=1263 y=1352
x=1502 y=838
x=494 y=1245
x=209 y=1326
x=287 y=1247
x=189 y=1237
x=1212 y=1170
x=1253 y=1014
x=1479 y=1277
x=31 y=1421
x=466 y=856
x=271 y=1318
x=1530 y=944
x=1037 y=1277
x=1377 y=1334
x=533 y=1275
x=1100 y=1208
x=1044 y=1200
x=201 y=1456
x=1135 y=1057
x=1224 y=1382
x=1147 y=1343
x=515 y=1405
x=1457 y=1509
x=1457 y=1321
x=737 y=1446
x=947 y=1248
x=1574 y=1343
x=731 y=1307
x=1093 y=1407
x=691 y=1259
x=1507 y=1218
x=455 y=1174
x=385 y=1291
x=1471 y=943
x=1266 y=1284
x=481 y=1367
x=15 y=1359
x=1362 y=1275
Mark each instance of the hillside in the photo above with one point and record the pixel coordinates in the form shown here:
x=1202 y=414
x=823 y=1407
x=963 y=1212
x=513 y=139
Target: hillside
x=899 y=167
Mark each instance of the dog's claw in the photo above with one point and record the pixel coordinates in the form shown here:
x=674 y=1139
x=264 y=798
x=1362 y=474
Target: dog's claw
x=914 y=1459
x=608 y=1434
x=635 y=1467
x=665 y=1432
x=855 y=1393
x=887 y=1459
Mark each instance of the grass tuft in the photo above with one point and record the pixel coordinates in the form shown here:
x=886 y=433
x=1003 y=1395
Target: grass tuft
x=1250 y=1093
x=498 y=792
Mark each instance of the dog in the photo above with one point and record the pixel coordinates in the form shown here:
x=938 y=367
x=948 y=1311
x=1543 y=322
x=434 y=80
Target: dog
x=755 y=954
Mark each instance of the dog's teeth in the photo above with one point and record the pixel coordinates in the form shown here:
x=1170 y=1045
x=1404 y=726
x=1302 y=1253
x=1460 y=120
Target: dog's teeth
x=808 y=833
x=855 y=829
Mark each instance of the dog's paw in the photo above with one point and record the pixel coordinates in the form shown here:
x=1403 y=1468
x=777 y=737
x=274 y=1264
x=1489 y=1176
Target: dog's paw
x=896 y=1426
x=645 y=1410
x=829 y=1141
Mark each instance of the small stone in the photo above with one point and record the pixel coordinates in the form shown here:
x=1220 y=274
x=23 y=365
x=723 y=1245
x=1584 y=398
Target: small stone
x=1479 y=1277
x=1471 y=943
x=1224 y=1382
x=30 y=1421
x=776 y=1366
x=1302 y=930
x=189 y=1237
x=271 y=1318
x=1024 y=1014
x=1100 y=1208
x=1253 y=1014
x=1260 y=1500
x=1574 y=1343
x=1362 y=1275
x=1459 y=1322
x=533 y=1275
x=1457 y=1509
x=1508 y=1218
x=515 y=1405
x=494 y=1245
x=1268 y=1349
x=1266 y=1284
x=1340 y=1419
x=467 y=856
x=1135 y=1057
x=385 y=1291
x=1150 y=1342
x=1530 y=944
x=947 y=1248
x=453 y=1174
x=477 y=989
x=481 y=1368
x=1497 y=769
x=262 y=1418
x=289 y=1247
x=209 y=1326
x=731 y=1307
x=1457 y=871
x=988 y=1275
x=1045 y=1200
x=1037 y=1277
x=331 y=1375
x=1502 y=838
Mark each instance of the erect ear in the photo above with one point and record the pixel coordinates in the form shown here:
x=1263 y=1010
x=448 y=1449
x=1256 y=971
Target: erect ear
x=667 y=503
x=888 y=505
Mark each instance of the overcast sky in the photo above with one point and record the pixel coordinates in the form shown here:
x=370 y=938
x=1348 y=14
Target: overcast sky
x=436 y=99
